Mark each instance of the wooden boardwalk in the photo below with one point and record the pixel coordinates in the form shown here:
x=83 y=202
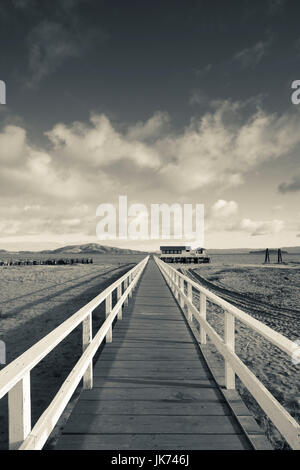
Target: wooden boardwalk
x=152 y=387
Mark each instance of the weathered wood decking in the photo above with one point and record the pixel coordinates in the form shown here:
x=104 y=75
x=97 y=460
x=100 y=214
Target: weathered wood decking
x=152 y=388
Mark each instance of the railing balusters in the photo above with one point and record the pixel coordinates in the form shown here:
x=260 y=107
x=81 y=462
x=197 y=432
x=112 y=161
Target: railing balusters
x=129 y=281
x=119 y=295
x=229 y=337
x=181 y=297
x=176 y=285
x=203 y=315
x=125 y=287
x=87 y=336
x=190 y=297
x=19 y=412
x=108 y=308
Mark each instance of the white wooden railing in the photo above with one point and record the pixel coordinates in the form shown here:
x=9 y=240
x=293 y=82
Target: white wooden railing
x=15 y=377
x=182 y=287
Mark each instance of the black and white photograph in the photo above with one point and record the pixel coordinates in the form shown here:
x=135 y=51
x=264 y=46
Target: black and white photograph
x=150 y=228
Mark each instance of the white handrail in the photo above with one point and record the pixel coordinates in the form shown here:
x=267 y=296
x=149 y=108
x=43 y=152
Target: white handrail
x=15 y=377
x=284 y=422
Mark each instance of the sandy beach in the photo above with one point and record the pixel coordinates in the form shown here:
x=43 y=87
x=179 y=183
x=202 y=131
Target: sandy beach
x=271 y=294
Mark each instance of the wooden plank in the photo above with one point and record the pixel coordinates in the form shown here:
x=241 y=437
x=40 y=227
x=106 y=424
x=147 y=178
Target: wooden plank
x=152 y=320
x=149 y=344
x=148 y=335
x=163 y=309
x=260 y=442
x=179 y=375
x=141 y=328
x=164 y=392
x=105 y=408
x=86 y=340
x=152 y=315
x=153 y=441
x=95 y=424
x=155 y=301
x=146 y=382
x=150 y=355
x=158 y=366
x=19 y=410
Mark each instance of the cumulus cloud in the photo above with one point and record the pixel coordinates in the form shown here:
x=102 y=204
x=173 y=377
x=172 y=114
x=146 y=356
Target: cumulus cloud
x=151 y=129
x=100 y=144
x=256 y=227
x=225 y=216
x=221 y=147
x=250 y=57
x=89 y=163
x=222 y=215
x=224 y=209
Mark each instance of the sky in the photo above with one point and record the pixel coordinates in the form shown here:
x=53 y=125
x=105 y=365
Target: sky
x=185 y=102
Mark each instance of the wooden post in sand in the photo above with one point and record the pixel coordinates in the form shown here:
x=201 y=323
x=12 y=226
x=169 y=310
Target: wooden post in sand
x=279 y=258
x=267 y=256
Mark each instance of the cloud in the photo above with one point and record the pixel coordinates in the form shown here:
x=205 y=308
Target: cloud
x=198 y=97
x=85 y=164
x=250 y=57
x=59 y=34
x=50 y=44
x=255 y=227
x=99 y=145
x=222 y=146
x=224 y=216
x=150 y=129
x=290 y=186
x=224 y=209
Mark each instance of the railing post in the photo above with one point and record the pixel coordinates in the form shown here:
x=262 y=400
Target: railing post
x=119 y=295
x=19 y=412
x=229 y=333
x=181 y=298
x=203 y=315
x=108 y=307
x=171 y=276
x=190 y=297
x=129 y=282
x=176 y=285
x=86 y=340
x=125 y=287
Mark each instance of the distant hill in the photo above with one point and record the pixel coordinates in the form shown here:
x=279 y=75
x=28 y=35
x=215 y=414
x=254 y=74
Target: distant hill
x=88 y=248
x=92 y=248
x=292 y=250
